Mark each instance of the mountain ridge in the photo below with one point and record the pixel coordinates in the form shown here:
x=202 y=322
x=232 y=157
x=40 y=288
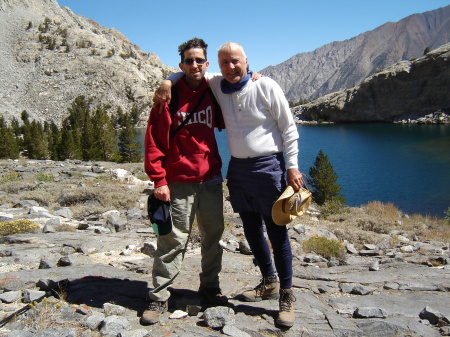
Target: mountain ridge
x=407 y=90
x=49 y=56
x=342 y=64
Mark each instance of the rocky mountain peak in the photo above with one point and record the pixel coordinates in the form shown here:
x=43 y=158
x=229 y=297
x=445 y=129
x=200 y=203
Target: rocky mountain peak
x=343 y=64
x=49 y=56
x=405 y=92
x=41 y=6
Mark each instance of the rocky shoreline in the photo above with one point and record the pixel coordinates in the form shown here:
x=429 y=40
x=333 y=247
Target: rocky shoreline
x=88 y=275
x=438 y=117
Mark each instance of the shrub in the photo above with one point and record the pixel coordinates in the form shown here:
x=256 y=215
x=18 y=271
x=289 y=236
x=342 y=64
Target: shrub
x=110 y=52
x=42 y=196
x=17 y=227
x=325 y=247
x=84 y=44
x=372 y=224
x=78 y=196
x=9 y=177
x=44 y=27
x=94 y=52
x=44 y=177
x=385 y=211
x=91 y=200
x=333 y=207
x=46 y=314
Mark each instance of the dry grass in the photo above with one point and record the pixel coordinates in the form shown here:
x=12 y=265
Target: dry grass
x=65 y=228
x=42 y=196
x=428 y=228
x=45 y=315
x=387 y=212
x=374 y=222
x=50 y=313
x=101 y=198
x=92 y=197
x=9 y=176
x=15 y=187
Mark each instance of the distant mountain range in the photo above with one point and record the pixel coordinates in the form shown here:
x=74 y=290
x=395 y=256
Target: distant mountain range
x=343 y=64
x=49 y=56
x=408 y=92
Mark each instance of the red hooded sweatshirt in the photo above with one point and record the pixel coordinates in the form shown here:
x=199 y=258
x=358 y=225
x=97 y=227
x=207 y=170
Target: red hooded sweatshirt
x=191 y=155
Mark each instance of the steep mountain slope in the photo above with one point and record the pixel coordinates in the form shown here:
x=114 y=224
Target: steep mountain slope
x=343 y=64
x=406 y=90
x=49 y=56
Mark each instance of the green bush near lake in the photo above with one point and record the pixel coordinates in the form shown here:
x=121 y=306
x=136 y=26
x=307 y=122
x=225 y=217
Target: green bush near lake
x=327 y=248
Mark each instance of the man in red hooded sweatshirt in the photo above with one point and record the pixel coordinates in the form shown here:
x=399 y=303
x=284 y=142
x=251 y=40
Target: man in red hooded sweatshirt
x=184 y=164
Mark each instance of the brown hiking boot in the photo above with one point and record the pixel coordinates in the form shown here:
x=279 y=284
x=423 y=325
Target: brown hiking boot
x=154 y=310
x=286 y=316
x=267 y=290
x=213 y=295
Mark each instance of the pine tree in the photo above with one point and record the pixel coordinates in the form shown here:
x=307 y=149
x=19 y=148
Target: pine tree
x=135 y=113
x=15 y=126
x=129 y=150
x=79 y=113
x=67 y=149
x=34 y=140
x=9 y=147
x=25 y=117
x=324 y=181
x=87 y=140
x=53 y=141
x=104 y=143
x=119 y=119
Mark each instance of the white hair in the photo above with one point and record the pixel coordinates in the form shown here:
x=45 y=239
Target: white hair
x=231 y=45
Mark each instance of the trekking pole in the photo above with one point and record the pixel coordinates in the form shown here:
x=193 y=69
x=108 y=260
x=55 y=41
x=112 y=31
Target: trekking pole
x=4 y=321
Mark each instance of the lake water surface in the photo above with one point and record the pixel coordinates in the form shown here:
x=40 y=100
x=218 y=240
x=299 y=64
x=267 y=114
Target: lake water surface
x=408 y=165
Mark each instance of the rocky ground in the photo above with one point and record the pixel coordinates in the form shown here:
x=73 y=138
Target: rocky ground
x=86 y=270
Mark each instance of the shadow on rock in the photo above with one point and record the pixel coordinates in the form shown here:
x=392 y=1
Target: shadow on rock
x=95 y=291
x=254 y=311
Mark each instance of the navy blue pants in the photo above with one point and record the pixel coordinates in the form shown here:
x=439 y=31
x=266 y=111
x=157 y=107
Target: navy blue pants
x=254 y=185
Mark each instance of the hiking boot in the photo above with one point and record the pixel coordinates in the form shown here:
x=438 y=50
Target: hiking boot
x=154 y=310
x=267 y=290
x=213 y=295
x=286 y=315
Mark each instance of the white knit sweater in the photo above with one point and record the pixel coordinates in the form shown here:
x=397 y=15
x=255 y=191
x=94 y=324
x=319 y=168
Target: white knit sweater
x=258 y=119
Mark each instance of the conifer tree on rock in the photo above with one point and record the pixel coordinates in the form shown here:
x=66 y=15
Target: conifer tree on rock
x=129 y=149
x=9 y=147
x=104 y=140
x=324 y=187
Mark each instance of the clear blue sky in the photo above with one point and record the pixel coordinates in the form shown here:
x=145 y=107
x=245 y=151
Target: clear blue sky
x=271 y=31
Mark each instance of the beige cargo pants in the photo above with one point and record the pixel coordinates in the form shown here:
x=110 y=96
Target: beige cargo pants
x=190 y=200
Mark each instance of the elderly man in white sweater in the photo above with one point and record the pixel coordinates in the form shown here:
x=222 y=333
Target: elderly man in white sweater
x=260 y=128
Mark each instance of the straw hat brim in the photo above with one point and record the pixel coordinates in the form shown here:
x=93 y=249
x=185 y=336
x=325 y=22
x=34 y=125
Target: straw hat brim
x=283 y=210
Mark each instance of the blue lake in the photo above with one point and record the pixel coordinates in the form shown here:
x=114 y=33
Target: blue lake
x=408 y=165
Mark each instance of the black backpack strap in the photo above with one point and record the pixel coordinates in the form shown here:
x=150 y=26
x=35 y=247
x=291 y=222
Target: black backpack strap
x=217 y=109
x=188 y=118
x=173 y=105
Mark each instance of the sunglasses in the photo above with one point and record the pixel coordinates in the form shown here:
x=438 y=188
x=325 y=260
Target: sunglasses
x=191 y=61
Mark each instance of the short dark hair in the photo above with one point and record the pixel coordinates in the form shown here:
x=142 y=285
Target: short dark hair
x=192 y=43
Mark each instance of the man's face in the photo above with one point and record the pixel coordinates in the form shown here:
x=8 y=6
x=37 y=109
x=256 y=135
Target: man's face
x=194 y=64
x=233 y=65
